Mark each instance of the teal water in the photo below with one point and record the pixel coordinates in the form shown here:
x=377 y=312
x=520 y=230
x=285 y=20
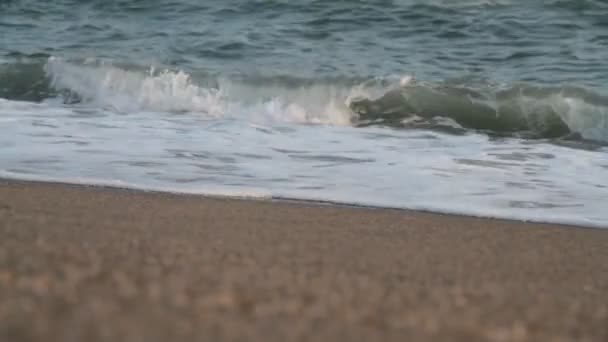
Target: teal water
x=544 y=42
x=493 y=108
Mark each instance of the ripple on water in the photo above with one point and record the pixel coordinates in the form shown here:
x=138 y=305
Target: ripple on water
x=336 y=159
x=485 y=163
x=520 y=156
x=540 y=205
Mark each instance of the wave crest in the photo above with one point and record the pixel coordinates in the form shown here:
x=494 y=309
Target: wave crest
x=124 y=90
x=520 y=109
x=127 y=91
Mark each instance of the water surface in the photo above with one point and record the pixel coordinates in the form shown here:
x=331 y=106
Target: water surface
x=492 y=108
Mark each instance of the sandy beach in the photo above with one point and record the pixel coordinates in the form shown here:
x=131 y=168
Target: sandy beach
x=94 y=264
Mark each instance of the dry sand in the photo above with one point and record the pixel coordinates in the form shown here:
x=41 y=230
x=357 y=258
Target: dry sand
x=93 y=264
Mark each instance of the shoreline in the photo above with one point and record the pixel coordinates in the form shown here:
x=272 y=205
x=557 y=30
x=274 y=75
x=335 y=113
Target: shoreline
x=97 y=263
x=289 y=200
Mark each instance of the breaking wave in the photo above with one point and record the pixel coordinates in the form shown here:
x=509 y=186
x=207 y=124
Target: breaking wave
x=520 y=109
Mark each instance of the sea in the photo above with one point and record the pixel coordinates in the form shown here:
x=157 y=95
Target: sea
x=490 y=108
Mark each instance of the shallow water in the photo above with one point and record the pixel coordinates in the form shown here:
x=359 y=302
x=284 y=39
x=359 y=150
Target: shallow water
x=255 y=98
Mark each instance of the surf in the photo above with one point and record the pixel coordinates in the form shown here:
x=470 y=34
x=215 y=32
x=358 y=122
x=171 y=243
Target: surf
x=396 y=101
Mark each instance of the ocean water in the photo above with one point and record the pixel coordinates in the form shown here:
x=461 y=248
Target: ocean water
x=494 y=108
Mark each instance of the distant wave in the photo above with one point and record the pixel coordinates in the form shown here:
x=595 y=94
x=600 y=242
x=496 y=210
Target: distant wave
x=520 y=109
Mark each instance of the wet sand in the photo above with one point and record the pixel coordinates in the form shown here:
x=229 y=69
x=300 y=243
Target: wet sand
x=95 y=264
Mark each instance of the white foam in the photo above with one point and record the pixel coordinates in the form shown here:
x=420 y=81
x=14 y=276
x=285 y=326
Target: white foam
x=366 y=166
x=110 y=87
x=127 y=91
x=406 y=80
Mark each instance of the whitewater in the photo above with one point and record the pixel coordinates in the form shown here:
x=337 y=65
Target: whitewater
x=516 y=135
